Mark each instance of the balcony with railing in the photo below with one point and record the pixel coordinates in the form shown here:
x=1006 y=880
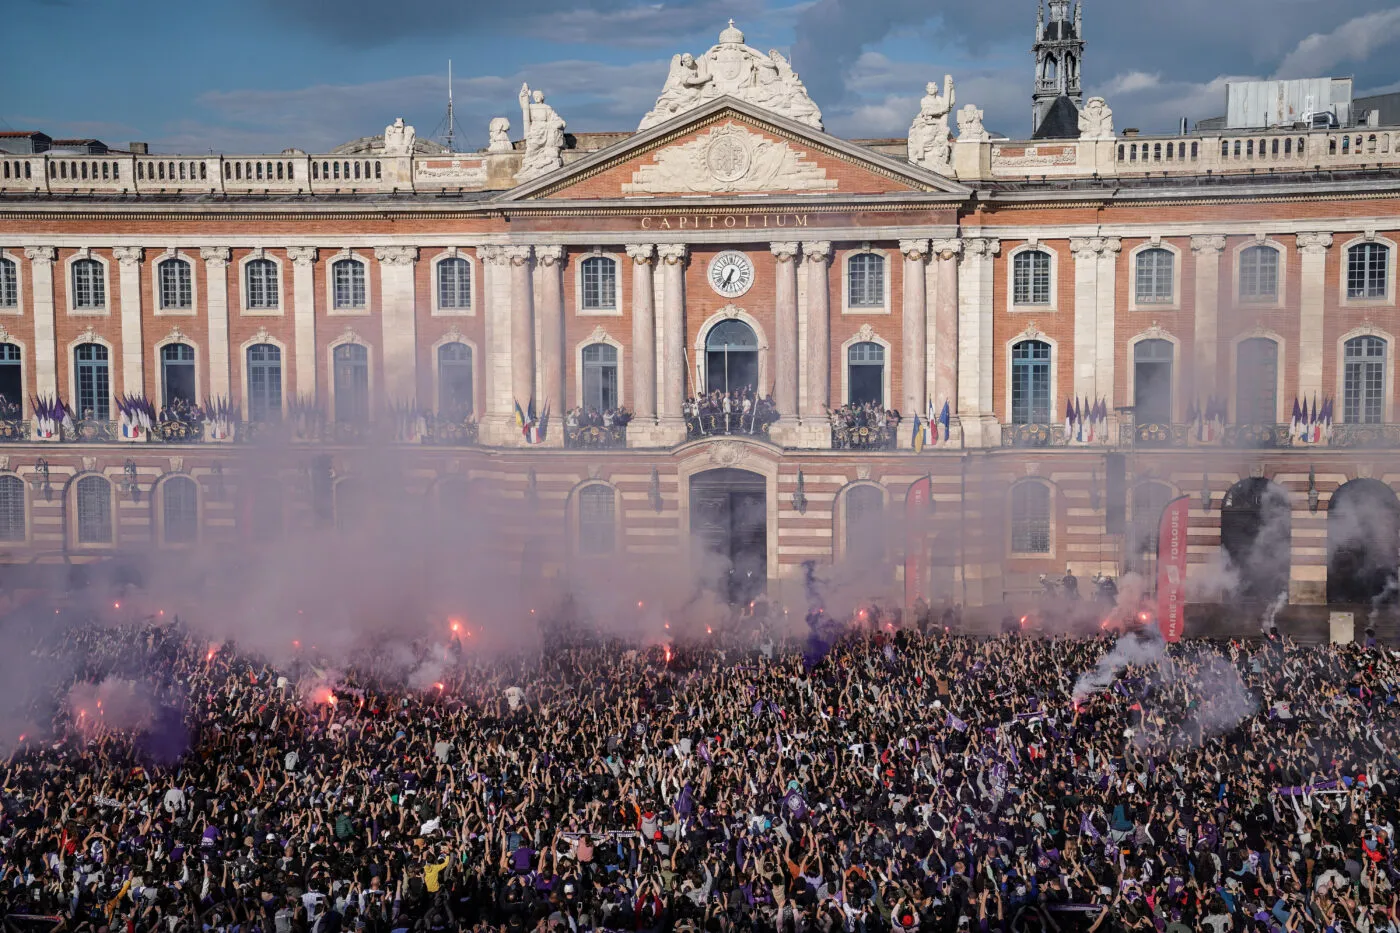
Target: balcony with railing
x=864 y=437
x=595 y=436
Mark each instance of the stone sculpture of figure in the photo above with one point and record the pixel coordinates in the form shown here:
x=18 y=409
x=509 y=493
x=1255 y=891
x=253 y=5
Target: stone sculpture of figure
x=970 y=128
x=1096 y=120
x=685 y=88
x=500 y=135
x=399 y=139
x=544 y=135
x=928 y=136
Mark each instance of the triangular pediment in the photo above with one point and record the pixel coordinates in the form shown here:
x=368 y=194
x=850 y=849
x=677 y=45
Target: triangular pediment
x=731 y=148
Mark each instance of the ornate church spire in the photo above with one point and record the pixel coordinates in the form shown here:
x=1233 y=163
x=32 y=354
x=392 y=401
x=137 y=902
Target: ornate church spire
x=1059 y=52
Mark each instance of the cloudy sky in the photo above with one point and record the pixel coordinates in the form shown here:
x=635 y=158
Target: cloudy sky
x=263 y=75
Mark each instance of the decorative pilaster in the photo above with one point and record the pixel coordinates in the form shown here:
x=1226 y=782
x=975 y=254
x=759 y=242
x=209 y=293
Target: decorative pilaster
x=304 y=324
x=915 y=374
x=216 y=297
x=399 y=319
x=975 y=293
x=816 y=260
x=129 y=274
x=1106 y=295
x=1207 y=250
x=945 y=322
x=1311 y=300
x=549 y=272
x=41 y=260
x=522 y=325
x=643 y=256
x=672 y=361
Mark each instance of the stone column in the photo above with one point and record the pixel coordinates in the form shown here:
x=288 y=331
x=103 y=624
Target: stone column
x=673 y=362
x=522 y=326
x=945 y=323
x=1087 y=251
x=1207 y=335
x=785 y=385
x=41 y=259
x=915 y=362
x=1313 y=247
x=304 y=321
x=549 y=270
x=497 y=416
x=643 y=257
x=216 y=297
x=1106 y=294
x=129 y=261
x=976 y=292
x=399 y=319
x=817 y=255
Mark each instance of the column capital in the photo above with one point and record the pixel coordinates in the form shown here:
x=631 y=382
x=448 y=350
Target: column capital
x=396 y=255
x=785 y=251
x=981 y=246
x=1315 y=243
x=817 y=250
x=948 y=248
x=914 y=249
x=1202 y=245
x=1112 y=244
x=672 y=254
x=492 y=254
x=214 y=255
x=302 y=256
x=128 y=255
x=643 y=254
x=549 y=255
x=41 y=255
x=516 y=255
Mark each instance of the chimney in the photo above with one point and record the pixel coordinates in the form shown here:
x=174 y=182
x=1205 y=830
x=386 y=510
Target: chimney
x=139 y=148
x=1131 y=132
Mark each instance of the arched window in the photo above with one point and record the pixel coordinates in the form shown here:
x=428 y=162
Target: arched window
x=1030 y=518
x=597 y=520
x=177 y=375
x=865 y=525
x=1256 y=381
x=1152 y=381
x=454 y=285
x=260 y=284
x=1363 y=380
x=599 y=377
x=11 y=375
x=11 y=508
x=89 y=286
x=9 y=283
x=1367 y=270
x=1259 y=274
x=454 y=362
x=351 y=372
x=176 y=291
x=599 y=284
x=865 y=364
x=264 y=383
x=1030 y=382
x=94 y=381
x=1156 y=271
x=179 y=510
x=731 y=357
x=865 y=277
x=1031 y=277
x=94 y=500
x=349 y=278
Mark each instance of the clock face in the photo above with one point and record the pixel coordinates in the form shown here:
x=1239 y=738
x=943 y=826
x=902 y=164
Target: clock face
x=731 y=273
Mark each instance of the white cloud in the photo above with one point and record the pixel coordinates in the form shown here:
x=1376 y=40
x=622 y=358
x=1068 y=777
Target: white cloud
x=1130 y=82
x=1355 y=40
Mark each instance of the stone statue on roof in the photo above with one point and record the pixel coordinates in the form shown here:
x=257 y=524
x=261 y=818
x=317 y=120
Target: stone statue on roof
x=929 y=143
x=399 y=139
x=1096 y=120
x=734 y=69
x=544 y=136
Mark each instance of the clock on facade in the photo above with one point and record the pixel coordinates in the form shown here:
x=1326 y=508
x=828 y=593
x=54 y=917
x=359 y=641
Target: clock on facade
x=731 y=273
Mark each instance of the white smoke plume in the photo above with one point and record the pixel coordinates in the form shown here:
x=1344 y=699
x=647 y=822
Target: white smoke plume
x=1140 y=649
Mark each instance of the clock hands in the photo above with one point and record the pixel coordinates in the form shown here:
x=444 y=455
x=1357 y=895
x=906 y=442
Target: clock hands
x=729 y=276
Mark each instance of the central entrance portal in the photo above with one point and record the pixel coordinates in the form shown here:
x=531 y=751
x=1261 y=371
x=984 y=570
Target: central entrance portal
x=729 y=521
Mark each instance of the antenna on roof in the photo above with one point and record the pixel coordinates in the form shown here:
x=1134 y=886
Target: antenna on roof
x=451 y=128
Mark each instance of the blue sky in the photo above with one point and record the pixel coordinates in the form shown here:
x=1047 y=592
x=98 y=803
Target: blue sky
x=263 y=75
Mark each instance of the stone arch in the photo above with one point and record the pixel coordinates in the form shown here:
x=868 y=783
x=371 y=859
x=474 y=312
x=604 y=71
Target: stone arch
x=1363 y=543
x=1256 y=533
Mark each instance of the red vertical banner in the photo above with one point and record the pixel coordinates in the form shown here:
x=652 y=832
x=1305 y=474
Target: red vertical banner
x=1171 y=569
x=917 y=506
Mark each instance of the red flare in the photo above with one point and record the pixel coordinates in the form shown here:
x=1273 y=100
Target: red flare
x=709 y=631
x=439 y=686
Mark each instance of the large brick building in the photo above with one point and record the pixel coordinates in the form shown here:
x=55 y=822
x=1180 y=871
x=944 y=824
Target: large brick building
x=1181 y=293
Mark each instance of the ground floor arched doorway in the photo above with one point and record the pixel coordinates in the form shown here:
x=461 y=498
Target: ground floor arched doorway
x=1256 y=531
x=729 y=528
x=1363 y=543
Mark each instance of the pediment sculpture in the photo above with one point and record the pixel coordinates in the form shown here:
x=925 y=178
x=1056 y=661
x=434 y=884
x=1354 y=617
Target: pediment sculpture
x=1096 y=120
x=544 y=136
x=399 y=139
x=728 y=158
x=734 y=69
x=929 y=143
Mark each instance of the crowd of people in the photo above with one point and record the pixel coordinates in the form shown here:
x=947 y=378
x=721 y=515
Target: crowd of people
x=864 y=778
x=742 y=411
x=864 y=415
x=597 y=418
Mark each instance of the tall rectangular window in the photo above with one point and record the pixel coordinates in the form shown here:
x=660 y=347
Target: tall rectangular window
x=176 y=291
x=1367 y=270
x=1031 y=278
x=1363 y=381
x=599 y=377
x=349 y=277
x=866 y=276
x=177 y=375
x=264 y=383
x=454 y=285
x=1030 y=382
x=9 y=283
x=351 y=372
x=1156 y=276
x=260 y=284
x=455 y=380
x=1259 y=274
x=599 y=284
x=93 y=381
x=89 y=286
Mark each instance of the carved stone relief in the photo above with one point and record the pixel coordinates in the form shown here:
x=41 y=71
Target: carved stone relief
x=729 y=158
